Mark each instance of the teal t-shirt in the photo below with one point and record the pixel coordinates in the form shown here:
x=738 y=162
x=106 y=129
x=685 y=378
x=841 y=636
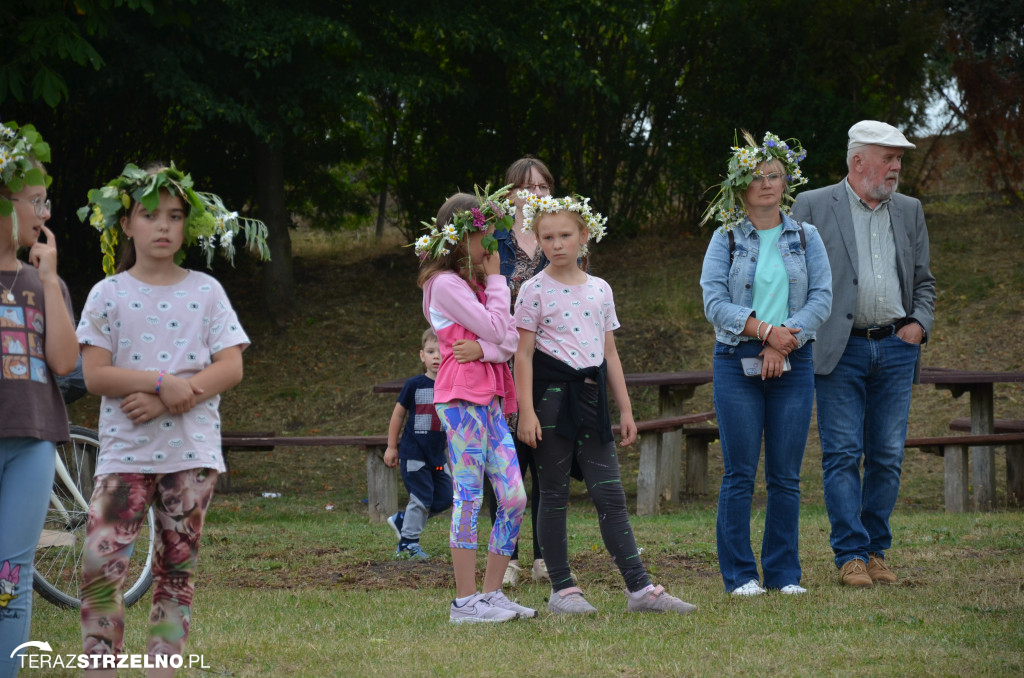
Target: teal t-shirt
x=771 y=282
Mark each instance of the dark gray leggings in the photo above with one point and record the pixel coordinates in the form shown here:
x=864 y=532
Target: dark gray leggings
x=600 y=466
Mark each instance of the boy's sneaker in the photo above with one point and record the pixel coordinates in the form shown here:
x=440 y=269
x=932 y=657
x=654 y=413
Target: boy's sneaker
x=411 y=551
x=511 y=577
x=654 y=599
x=396 y=521
x=569 y=601
x=477 y=609
x=793 y=590
x=540 y=570
x=498 y=599
x=751 y=588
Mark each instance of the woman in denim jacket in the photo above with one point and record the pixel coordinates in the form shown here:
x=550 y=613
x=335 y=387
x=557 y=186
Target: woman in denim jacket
x=767 y=288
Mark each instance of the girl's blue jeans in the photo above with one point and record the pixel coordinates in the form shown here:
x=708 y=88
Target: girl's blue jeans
x=26 y=477
x=749 y=410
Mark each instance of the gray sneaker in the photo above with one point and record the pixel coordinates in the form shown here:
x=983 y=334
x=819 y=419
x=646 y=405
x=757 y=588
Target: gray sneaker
x=498 y=599
x=654 y=599
x=477 y=609
x=569 y=601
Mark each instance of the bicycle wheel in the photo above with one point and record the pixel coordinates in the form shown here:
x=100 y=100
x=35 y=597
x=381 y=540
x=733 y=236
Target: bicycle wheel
x=58 y=559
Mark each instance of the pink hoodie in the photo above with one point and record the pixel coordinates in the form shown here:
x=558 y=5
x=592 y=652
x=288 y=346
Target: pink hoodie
x=456 y=311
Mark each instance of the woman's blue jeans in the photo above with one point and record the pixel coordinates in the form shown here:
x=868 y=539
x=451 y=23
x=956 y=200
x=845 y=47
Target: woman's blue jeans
x=863 y=406
x=778 y=411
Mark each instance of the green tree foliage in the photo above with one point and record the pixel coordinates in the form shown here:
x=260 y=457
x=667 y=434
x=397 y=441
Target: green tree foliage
x=325 y=109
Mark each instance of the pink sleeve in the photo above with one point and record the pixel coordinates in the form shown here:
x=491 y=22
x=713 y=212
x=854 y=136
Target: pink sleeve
x=490 y=322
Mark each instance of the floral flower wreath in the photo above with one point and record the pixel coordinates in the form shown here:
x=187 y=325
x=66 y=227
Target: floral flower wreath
x=727 y=207
x=494 y=209
x=18 y=147
x=208 y=223
x=535 y=205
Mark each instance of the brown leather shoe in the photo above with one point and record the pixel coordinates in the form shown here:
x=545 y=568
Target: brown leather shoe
x=878 y=571
x=855 y=573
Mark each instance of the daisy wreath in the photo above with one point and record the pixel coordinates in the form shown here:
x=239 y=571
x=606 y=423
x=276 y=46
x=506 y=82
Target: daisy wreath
x=493 y=209
x=727 y=207
x=208 y=224
x=535 y=205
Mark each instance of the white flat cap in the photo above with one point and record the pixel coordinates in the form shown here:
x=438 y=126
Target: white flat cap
x=873 y=132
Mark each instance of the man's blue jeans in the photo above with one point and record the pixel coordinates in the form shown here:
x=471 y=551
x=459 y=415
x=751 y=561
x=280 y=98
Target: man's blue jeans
x=863 y=406
x=779 y=411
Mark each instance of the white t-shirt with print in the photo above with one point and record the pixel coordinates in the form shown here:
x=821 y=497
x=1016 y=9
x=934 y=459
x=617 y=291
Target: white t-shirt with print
x=570 y=320
x=176 y=328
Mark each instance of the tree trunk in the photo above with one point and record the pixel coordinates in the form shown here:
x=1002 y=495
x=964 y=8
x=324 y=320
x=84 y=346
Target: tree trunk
x=278 y=280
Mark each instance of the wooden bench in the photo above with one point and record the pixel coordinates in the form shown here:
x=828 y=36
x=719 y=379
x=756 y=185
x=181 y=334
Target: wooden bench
x=381 y=481
x=953 y=450
x=658 y=472
x=1014 y=455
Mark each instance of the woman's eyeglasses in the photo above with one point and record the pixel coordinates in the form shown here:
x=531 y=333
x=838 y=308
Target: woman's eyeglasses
x=537 y=188
x=39 y=205
x=767 y=178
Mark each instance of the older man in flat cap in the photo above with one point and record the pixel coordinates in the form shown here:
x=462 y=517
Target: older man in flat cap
x=867 y=354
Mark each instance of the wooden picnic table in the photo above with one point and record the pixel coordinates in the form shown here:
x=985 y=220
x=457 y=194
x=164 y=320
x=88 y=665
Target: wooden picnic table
x=981 y=385
x=674 y=390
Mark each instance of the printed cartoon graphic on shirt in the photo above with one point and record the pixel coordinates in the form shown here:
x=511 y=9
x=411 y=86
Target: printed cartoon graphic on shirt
x=12 y=316
x=15 y=367
x=8 y=582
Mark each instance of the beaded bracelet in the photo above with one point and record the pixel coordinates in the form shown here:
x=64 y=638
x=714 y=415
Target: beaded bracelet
x=758 y=331
x=159 y=380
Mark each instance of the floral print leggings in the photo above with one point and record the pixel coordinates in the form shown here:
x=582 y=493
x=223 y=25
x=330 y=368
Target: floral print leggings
x=117 y=512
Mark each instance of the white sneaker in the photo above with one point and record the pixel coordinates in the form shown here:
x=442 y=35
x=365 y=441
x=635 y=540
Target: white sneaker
x=540 y=570
x=751 y=588
x=792 y=590
x=498 y=599
x=511 y=577
x=569 y=601
x=477 y=609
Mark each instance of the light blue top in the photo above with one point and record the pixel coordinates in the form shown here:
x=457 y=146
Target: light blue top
x=771 y=282
x=729 y=285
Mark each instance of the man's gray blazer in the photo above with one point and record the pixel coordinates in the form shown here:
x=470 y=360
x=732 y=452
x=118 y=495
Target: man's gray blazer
x=829 y=209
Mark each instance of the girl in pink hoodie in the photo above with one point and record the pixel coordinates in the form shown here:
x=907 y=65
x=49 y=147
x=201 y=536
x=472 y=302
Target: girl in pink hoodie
x=466 y=301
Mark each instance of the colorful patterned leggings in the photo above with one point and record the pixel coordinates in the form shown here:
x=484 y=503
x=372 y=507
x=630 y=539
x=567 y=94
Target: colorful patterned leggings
x=117 y=513
x=479 y=443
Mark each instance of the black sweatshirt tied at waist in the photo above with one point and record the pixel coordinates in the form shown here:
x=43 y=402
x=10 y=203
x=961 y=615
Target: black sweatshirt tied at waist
x=548 y=370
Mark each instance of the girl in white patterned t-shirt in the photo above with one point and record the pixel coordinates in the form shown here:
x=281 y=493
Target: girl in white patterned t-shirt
x=160 y=343
x=566 y=363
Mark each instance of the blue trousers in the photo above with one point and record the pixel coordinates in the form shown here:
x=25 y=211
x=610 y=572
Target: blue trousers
x=26 y=476
x=778 y=411
x=863 y=406
x=430 y=493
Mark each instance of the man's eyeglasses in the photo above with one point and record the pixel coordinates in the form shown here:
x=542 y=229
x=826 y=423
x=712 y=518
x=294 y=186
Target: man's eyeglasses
x=767 y=178
x=536 y=188
x=39 y=205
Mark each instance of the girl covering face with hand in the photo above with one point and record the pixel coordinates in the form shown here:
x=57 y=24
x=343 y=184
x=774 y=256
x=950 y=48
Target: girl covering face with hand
x=466 y=301
x=566 y=364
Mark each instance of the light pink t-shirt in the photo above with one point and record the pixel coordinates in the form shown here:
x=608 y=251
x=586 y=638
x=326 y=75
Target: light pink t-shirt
x=176 y=328
x=570 y=320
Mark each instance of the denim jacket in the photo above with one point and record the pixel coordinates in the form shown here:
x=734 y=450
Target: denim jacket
x=507 y=254
x=729 y=286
